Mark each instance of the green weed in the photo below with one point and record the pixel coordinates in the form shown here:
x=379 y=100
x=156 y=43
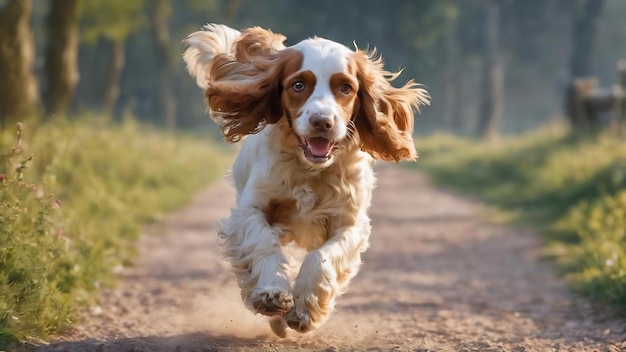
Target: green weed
x=72 y=212
x=32 y=252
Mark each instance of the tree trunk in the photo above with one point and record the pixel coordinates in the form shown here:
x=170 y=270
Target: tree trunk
x=61 y=65
x=584 y=30
x=492 y=107
x=450 y=75
x=112 y=87
x=18 y=87
x=167 y=103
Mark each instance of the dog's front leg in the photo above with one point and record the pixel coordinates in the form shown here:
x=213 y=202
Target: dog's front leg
x=253 y=248
x=325 y=274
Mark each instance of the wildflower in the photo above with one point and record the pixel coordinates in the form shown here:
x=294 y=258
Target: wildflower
x=55 y=204
x=20 y=127
x=2 y=177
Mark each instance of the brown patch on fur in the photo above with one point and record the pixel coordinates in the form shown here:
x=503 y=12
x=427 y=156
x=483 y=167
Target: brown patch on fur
x=279 y=212
x=346 y=100
x=292 y=101
x=385 y=118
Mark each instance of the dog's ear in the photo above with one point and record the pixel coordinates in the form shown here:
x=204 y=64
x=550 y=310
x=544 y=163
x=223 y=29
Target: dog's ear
x=240 y=73
x=384 y=120
x=257 y=41
x=203 y=46
x=244 y=97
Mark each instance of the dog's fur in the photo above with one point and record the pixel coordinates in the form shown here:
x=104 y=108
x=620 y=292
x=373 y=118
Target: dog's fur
x=314 y=117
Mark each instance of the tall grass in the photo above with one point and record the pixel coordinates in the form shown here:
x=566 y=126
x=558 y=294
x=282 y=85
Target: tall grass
x=571 y=187
x=71 y=212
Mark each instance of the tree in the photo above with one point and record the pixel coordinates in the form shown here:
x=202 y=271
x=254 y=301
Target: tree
x=492 y=106
x=18 y=87
x=160 y=15
x=451 y=115
x=584 y=25
x=111 y=22
x=61 y=66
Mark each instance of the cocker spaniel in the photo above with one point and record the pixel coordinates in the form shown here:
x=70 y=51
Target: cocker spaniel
x=314 y=117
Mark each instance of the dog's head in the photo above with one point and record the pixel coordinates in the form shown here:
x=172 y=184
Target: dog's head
x=328 y=95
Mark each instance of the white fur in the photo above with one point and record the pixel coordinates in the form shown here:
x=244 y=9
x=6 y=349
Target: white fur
x=204 y=45
x=324 y=58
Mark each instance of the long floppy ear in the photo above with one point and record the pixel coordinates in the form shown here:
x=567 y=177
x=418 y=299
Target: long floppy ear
x=244 y=97
x=384 y=120
x=203 y=46
x=257 y=41
x=241 y=75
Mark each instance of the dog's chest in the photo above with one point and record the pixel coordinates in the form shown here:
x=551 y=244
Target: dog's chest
x=308 y=213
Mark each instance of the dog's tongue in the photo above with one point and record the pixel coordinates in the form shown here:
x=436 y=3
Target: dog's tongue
x=319 y=146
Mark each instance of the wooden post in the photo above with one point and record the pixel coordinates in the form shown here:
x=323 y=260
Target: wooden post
x=590 y=106
x=576 y=101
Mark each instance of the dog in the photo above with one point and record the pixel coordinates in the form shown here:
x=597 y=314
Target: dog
x=313 y=118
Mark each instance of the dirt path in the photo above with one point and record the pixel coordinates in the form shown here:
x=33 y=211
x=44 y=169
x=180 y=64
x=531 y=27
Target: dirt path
x=436 y=278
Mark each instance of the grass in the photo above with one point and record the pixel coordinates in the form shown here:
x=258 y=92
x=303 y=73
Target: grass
x=71 y=212
x=570 y=187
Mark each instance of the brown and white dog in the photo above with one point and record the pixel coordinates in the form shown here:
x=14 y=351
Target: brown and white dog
x=316 y=116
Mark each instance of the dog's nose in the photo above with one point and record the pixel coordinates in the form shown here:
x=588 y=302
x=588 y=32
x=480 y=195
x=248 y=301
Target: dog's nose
x=321 y=123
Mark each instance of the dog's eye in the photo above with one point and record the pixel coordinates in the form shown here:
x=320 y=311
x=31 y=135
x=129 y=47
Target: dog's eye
x=345 y=89
x=298 y=86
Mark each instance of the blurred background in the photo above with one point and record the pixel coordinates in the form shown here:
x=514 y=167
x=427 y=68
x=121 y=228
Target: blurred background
x=491 y=66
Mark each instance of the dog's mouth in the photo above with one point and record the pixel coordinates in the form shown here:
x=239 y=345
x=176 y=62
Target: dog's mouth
x=316 y=149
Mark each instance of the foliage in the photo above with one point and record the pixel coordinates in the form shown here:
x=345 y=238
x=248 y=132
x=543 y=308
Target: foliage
x=56 y=249
x=112 y=19
x=571 y=187
x=33 y=265
x=598 y=266
x=410 y=34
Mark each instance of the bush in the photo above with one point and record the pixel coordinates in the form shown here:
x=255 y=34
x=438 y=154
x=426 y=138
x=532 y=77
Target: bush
x=33 y=262
x=71 y=214
x=597 y=265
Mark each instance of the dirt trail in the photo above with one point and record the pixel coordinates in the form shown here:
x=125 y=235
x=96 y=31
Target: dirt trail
x=436 y=278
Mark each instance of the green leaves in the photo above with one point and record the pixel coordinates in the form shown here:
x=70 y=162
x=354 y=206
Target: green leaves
x=112 y=19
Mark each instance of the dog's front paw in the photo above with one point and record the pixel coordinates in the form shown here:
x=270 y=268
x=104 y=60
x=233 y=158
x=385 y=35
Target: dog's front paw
x=300 y=320
x=271 y=300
